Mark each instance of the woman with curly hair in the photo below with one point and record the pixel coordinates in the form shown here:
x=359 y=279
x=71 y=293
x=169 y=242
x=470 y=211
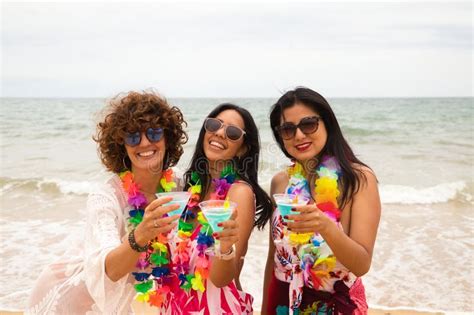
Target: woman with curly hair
x=139 y=139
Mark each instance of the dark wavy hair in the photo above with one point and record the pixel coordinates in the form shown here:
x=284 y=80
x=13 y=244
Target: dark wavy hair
x=336 y=144
x=246 y=166
x=137 y=111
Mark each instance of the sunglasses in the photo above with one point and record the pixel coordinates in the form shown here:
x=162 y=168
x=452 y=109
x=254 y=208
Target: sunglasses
x=134 y=138
x=307 y=125
x=233 y=133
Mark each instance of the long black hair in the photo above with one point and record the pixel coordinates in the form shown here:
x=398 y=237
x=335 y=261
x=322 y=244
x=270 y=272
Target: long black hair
x=336 y=145
x=245 y=166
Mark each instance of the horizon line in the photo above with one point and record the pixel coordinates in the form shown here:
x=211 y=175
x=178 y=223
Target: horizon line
x=229 y=97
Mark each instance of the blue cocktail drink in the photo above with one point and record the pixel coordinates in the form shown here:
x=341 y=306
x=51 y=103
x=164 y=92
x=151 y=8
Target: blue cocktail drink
x=217 y=211
x=180 y=198
x=285 y=202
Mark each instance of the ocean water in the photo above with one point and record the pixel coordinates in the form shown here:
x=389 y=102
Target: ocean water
x=421 y=149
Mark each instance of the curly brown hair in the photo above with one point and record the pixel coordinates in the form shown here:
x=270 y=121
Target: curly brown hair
x=137 y=111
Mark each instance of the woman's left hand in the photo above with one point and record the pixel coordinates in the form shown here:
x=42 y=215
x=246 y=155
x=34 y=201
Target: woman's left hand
x=229 y=235
x=309 y=220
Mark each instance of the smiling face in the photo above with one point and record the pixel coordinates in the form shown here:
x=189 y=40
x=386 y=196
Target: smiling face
x=147 y=155
x=217 y=146
x=304 y=147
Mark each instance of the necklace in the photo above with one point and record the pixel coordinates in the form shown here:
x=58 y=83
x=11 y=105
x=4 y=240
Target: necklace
x=153 y=287
x=315 y=261
x=326 y=191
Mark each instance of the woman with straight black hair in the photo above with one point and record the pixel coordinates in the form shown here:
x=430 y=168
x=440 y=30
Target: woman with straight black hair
x=245 y=162
x=208 y=261
x=320 y=248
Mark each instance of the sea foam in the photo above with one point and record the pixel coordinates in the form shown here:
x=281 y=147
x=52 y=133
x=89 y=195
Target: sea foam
x=399 y=194
x=46 y=185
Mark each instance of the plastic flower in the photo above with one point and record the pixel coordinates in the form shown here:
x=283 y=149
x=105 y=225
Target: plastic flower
x=222 y=186
x=162 y=238
x=168 y=175
x=158 y=259
x=300 y=238
x=330 y=209
x=202 y=262
x=203 y=272
x=136 y=220
x=156 y=299
x=182 y=246
x=159 y=296
x=181 y=257
x=205 y=239
x=331 y=163
x=185 y=227
x=197 y=283
x=326 y=186
x=182 y=278
x=195 y=189
x=142 y=263
x=140 y=276
x=142 y=297
x=127 y=180
x=160 y=271
x=167 y=185
x=137 y=200
x=184 y=235
x=159 y=246
x=329 y=262
x=144 y=287
x=325 y=172
x=187 y=284
x=296 y=169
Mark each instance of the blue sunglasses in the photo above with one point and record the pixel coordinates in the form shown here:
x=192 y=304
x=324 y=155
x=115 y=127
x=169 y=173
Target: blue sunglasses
x=134 y=138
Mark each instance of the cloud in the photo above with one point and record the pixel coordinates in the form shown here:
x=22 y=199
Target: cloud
x=249 y=49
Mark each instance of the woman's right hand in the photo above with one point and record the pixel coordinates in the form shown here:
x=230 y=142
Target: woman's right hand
x=154 y=222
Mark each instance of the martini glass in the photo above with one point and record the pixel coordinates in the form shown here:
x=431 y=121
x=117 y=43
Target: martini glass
x=180 y=198
x=284 y=204
x=217 y=211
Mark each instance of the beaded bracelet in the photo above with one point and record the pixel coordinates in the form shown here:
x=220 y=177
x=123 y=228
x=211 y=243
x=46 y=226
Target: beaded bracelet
x=225 y=256
x=133 y=243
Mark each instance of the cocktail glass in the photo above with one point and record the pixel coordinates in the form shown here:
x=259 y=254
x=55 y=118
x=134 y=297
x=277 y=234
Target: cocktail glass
x=284 y=204
x=217 y=211
x=180 y=198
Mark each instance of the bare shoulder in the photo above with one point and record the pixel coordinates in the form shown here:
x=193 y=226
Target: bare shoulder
x=366 y=174
x=242 y=194
x=241 y=188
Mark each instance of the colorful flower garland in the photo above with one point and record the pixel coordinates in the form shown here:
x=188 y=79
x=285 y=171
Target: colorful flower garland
x=315 y=264
x=154 y=287
x=316 y=257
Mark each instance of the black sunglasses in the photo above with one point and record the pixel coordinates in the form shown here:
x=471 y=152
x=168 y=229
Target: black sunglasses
x=307 y=125
x=234 y=133
x=134 y=138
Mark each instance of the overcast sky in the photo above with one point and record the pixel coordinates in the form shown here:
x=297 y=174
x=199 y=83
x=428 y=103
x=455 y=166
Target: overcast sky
x=237 y=50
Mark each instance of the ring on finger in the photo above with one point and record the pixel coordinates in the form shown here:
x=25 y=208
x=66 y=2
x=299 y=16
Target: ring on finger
x=155 y=224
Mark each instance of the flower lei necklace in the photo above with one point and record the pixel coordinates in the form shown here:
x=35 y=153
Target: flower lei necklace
x=154 y=287
x=326 y=191
x=316 y=257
